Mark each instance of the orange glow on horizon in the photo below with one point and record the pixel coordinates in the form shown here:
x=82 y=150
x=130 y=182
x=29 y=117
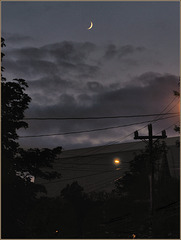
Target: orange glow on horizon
x=179 y=107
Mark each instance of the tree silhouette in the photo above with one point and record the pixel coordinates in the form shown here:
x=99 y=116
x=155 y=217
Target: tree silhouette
x=134 y=192
x=135 y=182
x=14 y=101
x=177 y=94
x=18 y=192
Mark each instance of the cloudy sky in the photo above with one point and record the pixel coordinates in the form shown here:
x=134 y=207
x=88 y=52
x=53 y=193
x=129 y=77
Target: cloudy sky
x=127 y=64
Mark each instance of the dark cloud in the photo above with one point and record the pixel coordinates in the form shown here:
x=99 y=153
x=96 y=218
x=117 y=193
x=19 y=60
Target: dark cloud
x=18 y=38
x=86 y=71
x=46 y=88
x=143 y=99
x=30 y=68
x=60 y=58
x=29 y=53
x=129 y=49
x=151 y=90
x=81 y=79
x=95 y=86
x=114 y=85
x=112 y=50
x=70 y=51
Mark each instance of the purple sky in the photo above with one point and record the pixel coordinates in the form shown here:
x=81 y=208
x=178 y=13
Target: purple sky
x=127 y=64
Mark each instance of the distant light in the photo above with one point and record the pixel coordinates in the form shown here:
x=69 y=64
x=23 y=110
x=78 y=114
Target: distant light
x=117 y=161
x=56 y=231
x=134 y=236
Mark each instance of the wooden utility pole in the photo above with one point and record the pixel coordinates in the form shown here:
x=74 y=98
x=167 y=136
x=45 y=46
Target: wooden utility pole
x=150 y=138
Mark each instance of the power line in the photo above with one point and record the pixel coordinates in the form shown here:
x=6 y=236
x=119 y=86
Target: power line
x=123 y=138
x=170 y=108
x=91 y=130
x=95 y=118
x=116 y=141
x=170 y=126
x=93 y=151
x=168 y=112
x=154 y=120
x=168 y=105
x=84 y=176
x=79 y=177
x=88 y=164
x=89 y=185
x=74 y=178
x=104 y=146
x=100 y=148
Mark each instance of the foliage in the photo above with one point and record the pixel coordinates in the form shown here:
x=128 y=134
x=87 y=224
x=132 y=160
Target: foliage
x=34 y=160
x=71 y=215
x=14 y=101
x=134 y=192
x=73 y=192
x=135 y=183
x=101 y=196
x=18 y=192
x=177 y=94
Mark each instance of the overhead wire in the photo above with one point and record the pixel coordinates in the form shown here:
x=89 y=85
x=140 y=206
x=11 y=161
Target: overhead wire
x=98 y=148
x=169 y=106
x=105 y=171
x=118 y=141
x=91 y=130
x=96 y=117
x=113 y=142
x=127 y=148
x=170 y=126
x=89 y=187
x=110 y=179
x=93 y=164
x=84 y=176
x=103 y=164
x=104 y=146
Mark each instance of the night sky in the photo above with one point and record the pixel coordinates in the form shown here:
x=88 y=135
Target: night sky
x=127 y=64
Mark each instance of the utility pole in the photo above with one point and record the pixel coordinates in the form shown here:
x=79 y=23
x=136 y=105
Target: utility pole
x=150 y=138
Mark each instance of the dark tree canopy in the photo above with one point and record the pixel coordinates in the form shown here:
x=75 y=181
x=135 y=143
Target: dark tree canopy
x=18 y=192
x=33 y=160
x=14 y=101
x=135 y=183
x=177 y=94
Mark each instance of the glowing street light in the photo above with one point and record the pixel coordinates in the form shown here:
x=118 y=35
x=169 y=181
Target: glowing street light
x=117 y=161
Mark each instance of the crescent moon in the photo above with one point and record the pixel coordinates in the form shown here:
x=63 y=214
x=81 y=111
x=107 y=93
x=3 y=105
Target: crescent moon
x=91 y=25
